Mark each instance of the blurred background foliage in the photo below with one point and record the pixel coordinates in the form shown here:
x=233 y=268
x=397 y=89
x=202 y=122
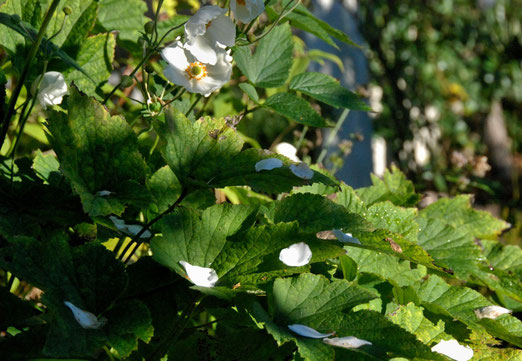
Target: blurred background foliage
x=447 y=89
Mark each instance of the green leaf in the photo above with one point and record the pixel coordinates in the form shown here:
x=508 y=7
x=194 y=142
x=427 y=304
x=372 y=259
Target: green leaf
x=125 y=16
x=170 y=23
x=348 y=198
x=386 y=267
x=194 y=239
x=95 y=57
x=128 y=322
x=208 y=153
x=460 y=302
x=451 y=247
x=19 y=310
x=396 y=219
x=295 y=108
x=47 y=168
x=164 y=188
x=73 y=28
x=394 y=187
x=411 y=318
x=327 y=90
x=96 y=152
x=250 y=90
x=458 y=213
x=270 y=65
x=315 y=213
x=311 y=299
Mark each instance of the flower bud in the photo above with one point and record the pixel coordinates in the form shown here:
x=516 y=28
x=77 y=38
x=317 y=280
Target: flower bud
x=67 y=10
x=251 y=37
x=149 y=27
x=148 y=68
x=126 y=81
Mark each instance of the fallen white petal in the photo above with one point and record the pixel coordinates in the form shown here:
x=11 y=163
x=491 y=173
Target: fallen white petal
x=306 y=331
x=491 y=312
x=84 y=318
x=453 y=350
x=302 y=170
x=268 y=164
x=288 y=150
x=296 y=255
x=118 y=223
x=345 y=237
x=200 y=276
x=103 y=193
x=346 y=342
x=134 y=229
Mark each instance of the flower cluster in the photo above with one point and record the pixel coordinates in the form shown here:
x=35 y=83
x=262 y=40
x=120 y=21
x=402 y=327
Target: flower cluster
x=202 y=64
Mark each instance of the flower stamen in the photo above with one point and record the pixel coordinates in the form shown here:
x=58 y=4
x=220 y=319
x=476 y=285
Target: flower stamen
x=196 y=70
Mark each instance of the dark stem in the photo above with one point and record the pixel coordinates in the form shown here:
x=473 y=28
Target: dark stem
x=25 y=71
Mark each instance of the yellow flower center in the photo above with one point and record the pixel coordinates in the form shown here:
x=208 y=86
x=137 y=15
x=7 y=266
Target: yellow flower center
x=208 y=25
x=196 y=70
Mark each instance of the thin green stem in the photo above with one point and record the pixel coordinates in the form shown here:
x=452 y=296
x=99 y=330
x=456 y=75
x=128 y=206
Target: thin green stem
x=25 y=71
x=207 y=100
x=332 y=135
x=302 y=137
x=160 y=3
x=193 y=104
x=135 y=239
x=175 y=330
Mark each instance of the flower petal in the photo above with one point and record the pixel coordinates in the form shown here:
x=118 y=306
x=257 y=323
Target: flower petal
x=346 y=342
x=345 y=237
x=268 y=164
x=302 y=170
x=249 y=11
x=288 y=150
x=103 y=193
x=200 y=276
x=86 y=319
x=197 y=24
x=203 y=50
x=453 y=350
x=222 y=31
x=296 y=255
x=491 y=312
x=52 y=87
x=306 y=331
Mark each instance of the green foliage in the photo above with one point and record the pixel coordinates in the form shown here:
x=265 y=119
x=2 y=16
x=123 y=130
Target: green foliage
x=271 y=62
x=97 y=152
x=93 y=226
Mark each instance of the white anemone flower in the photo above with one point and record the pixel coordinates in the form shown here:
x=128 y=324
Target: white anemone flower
x=296 y=255
x=345 y=237
x=302 y=171
x=268 y=164
x=197 y=77
x=306 y=331
x=51 y=89
x=86 y=319
x=346 y=342
x=209 y=31
x=453 y=350
x=247 y=10
x=491 y=312
x=200 y=276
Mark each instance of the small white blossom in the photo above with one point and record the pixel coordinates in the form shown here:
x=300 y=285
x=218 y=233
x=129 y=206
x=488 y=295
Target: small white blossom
x=453 y=350
x=130 y=229
x=247 y=10
x=306 y=331
x=302 y=170
x=346 y=342
x=51 y=89
x=345 y=237
x=200 y=276
x=491 y=312
x=288 y=150
x=268 y=164
x=296 y=255
x=207 y=32
x=197 y=77
x=84 y=318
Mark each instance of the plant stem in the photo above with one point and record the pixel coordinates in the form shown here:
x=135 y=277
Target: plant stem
x=301 y=138
x=193 y=105
x=25 y=71
x=332 y=134
x=135 y=239
x=175 y=330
